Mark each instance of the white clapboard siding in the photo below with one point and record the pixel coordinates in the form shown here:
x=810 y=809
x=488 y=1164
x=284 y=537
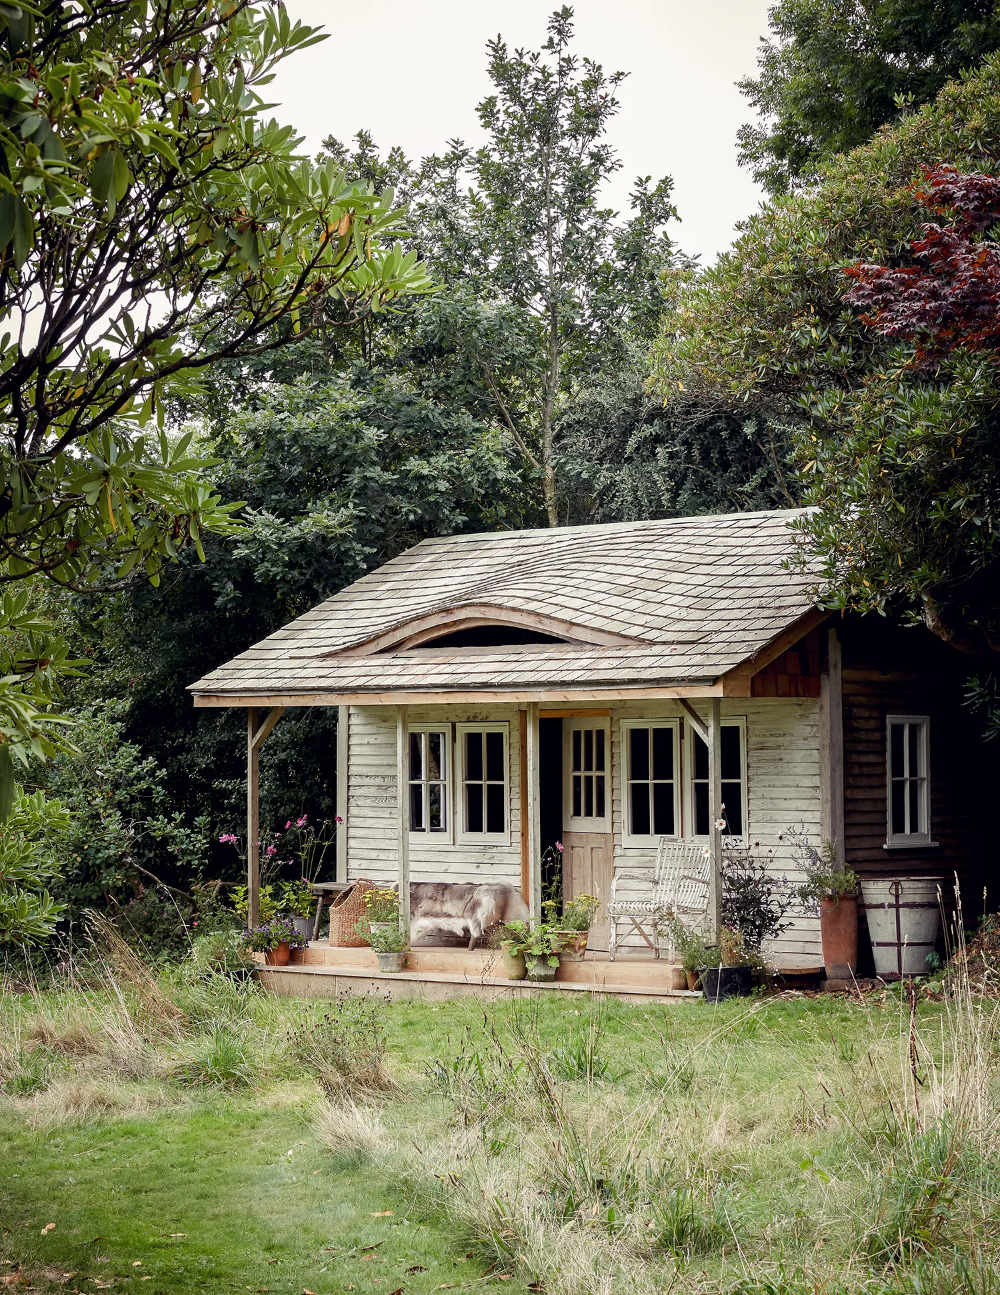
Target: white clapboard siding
x=372 y=819
x=782 y=793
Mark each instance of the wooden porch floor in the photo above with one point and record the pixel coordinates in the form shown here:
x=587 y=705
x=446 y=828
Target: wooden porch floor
x=322 y=971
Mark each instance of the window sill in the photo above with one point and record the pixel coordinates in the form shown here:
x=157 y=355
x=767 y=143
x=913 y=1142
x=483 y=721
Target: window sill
x=911 y=845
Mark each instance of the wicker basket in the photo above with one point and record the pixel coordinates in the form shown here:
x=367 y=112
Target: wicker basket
x=345 y=911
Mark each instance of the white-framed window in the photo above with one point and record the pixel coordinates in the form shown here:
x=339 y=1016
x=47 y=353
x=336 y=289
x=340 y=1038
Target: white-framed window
x=483 y=782
x=734 y=780
x=587 y=772
x=430 y=758
x=651 y=760
x=908 y=789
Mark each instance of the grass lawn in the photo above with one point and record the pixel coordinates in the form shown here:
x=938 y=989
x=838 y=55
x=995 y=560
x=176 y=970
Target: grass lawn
x=182 y=1137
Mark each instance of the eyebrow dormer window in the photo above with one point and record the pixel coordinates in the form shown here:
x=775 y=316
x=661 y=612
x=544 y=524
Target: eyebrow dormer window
x=487 y=636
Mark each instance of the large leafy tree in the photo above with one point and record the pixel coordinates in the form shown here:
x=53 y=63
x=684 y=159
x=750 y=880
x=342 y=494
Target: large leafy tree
x=893 y=407
x=833 y=71
x=153 y=221
x=518 y=227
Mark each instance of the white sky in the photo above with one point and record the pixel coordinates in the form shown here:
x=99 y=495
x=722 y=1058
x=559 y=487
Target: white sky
x=412 y=72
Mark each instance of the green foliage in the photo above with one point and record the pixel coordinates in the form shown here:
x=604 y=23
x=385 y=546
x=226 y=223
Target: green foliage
x=390 y=939
x=534 y=940
x=31 y=841
x=346 y=1048
x=577 y=914
x=152 y=222
x=833 y=73
x=901 y=469
x=218 y=951
x=826 y=876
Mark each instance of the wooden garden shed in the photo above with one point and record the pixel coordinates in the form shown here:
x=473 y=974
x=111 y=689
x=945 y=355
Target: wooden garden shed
x=606 y=686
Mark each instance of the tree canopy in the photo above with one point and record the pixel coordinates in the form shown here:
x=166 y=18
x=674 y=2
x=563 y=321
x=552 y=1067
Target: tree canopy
x=834 y=71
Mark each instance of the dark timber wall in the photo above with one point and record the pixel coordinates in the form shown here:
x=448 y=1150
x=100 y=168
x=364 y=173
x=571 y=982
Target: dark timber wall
x=888 y=670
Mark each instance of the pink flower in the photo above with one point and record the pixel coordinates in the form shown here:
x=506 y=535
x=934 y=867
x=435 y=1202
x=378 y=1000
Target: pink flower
x=227 y=838
x=301 y=822
x=338 y=819
x=560 y=847
x=288 y=825
x=271 y=849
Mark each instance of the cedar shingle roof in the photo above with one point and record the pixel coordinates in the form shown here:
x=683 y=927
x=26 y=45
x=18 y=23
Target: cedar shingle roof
x=691 y=598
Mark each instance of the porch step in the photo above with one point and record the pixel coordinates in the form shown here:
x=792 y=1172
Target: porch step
x=315 y=980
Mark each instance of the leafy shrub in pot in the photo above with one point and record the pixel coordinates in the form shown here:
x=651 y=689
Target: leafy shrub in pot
x=275 y=939
x=539 y=943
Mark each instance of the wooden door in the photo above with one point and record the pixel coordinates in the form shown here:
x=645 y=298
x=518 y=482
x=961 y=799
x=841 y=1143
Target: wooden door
x=588 y=853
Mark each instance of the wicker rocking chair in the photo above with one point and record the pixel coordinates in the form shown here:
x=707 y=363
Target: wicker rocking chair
x=680 y=886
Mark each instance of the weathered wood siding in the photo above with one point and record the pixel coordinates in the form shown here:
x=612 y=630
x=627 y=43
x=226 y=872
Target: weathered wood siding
x=896 y=671
x=782 y=736
x=372 y=814
x=782 y=792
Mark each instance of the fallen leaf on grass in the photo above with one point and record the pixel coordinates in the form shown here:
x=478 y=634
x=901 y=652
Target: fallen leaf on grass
x=397 y=1292
x=382 y=1214
x=178 y=1234
x=417 y=1268
x=307 y=1292
x=136 y=1263
x=447 y=1286
x=49 y=1227
x=315 y=1172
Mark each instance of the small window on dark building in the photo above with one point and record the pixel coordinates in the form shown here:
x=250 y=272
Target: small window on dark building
x=908 y=782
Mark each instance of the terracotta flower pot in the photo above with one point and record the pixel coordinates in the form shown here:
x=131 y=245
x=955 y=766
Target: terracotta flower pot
x=574 y=945
x=838 y=924
x=692 y=979
x=279 y=955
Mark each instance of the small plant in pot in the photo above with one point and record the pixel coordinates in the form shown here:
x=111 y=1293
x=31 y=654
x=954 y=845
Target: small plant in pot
x=573 y=924
x=297 y=899
x=691 y=948
x=833 y=888
x=275 y=939
x=538 y=944
x=390 y=945
x=381 y=914
x=729 y=967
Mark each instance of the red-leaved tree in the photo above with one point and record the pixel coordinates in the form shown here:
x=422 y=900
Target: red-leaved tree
x=949 y=299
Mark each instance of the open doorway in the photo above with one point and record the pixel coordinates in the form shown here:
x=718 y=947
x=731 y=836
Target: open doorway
x=550 y=804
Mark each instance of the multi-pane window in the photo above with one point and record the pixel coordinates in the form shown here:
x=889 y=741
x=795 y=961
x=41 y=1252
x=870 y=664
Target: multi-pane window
x=733 y=791
x=908 y=759
x=428 y=781
x=588 y=771
x=651 y=753
x=483 y=754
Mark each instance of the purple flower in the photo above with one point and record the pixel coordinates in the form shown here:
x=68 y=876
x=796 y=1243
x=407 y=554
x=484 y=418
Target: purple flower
x=560 y=847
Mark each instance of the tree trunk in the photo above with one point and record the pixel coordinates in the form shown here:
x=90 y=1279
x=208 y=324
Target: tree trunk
x=548 y=416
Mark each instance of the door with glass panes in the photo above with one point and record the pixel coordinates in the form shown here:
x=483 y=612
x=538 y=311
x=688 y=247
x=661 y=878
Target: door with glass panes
x=587 y=839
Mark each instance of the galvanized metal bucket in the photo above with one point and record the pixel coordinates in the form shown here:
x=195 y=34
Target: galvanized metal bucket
x=904 y=915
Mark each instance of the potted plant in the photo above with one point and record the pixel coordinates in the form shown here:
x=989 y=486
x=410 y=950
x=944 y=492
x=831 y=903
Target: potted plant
x=538 y=943
x=296 y=900
x=833 y=888
x=390 y=944
x=690 y=947
x=275 y=939
x=573 y=925
x=729 y=967
x=381 y=913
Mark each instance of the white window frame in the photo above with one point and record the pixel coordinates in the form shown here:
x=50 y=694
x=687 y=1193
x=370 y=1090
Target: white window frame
x=447 y=835
x=572 y=823
x=625 y=726
x=690 y=817
x=908 y=840
x=480 y=838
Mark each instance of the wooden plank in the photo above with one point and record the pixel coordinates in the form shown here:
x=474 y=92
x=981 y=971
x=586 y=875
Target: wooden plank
x=576 y=712
x=343 y=788
x=402 y=814
x=533 y=814
x=480 y=696
x=715 y=811
x=525 y=832
x=263 y=732
x=253 y=820
x=697 y=723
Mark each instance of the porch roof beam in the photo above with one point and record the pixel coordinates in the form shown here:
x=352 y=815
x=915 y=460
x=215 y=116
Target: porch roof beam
x=722 y=688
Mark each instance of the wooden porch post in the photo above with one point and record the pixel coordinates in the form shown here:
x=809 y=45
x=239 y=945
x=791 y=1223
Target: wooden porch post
x=257 y=734
x=831 y=746
x=343 y=787
x=403 y=814
x=531 y=807
x=253 y=819
x=715 y=810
